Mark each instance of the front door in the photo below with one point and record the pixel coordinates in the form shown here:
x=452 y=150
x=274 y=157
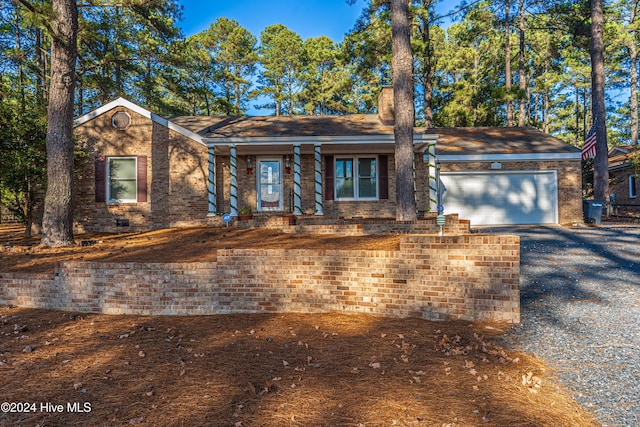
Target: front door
x=269 y=185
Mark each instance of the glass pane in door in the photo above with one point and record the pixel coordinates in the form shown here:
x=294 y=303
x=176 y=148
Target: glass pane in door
x=269 y=185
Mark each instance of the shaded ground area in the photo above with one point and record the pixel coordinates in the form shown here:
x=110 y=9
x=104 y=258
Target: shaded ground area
x=580 y=311
x=20 y=254
x=271 y=370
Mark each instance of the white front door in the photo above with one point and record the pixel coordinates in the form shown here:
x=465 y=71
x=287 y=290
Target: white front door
x=269 y=185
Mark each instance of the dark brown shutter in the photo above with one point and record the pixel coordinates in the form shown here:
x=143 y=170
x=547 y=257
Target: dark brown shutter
x=383 y=176
x=101 y=179
x=328 y=178
x=142 y=178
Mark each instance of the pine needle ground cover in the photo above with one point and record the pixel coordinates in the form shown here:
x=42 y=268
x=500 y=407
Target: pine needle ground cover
x=269 y=370
x=63 y=369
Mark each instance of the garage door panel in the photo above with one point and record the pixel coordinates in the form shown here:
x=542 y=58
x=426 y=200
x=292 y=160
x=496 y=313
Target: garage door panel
x=492 y=198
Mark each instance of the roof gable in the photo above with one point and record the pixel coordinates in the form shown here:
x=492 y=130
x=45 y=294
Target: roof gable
x=622 y=157
x=121 y=102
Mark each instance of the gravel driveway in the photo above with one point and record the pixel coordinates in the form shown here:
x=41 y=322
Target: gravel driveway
x=580 y=294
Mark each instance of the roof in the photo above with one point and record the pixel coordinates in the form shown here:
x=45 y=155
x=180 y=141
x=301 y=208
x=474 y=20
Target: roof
x=505 y=140
x=121 y=102
x=286 y=126
x=621 y=157
x=500 y=144
x=461 y=144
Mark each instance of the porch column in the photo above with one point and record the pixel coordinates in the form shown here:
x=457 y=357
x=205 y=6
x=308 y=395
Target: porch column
x=433 y=185
x=233 y=180
x=318 y=179
x=297 y=202
x=211 y=185
x=415 y=184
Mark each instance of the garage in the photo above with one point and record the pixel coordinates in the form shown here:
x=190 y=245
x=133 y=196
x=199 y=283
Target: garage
x=502 y=197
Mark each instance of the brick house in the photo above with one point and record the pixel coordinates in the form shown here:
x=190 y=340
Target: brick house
x=145 y=171
x=624 y=178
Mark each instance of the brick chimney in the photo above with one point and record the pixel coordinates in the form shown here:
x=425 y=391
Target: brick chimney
x=386 y=112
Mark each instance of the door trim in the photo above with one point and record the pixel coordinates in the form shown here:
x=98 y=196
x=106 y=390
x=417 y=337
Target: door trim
x=259 y=202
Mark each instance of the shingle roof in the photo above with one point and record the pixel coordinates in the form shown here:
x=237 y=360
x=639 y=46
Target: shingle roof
x=623 y=159
x=498 y=140
x=285 y=126
x=451 y=141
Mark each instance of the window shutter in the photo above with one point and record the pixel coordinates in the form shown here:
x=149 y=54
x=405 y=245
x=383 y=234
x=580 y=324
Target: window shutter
x=328 y=178
x=383 y=176
x=142 y=178
x=101 y=179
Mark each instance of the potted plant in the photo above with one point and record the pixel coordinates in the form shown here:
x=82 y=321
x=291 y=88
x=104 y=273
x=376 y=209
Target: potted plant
x=245 y=214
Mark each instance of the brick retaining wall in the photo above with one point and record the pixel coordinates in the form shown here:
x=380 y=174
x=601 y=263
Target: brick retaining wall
x=354 y=226
x=470 y=277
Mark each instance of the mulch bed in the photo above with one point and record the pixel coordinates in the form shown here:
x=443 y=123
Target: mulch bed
x=255 y=369
x=191 y=244
x=269 y=370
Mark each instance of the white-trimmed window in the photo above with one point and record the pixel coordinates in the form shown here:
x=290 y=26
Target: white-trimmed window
x=632 y=187
x=356 y=178
x=122 y=182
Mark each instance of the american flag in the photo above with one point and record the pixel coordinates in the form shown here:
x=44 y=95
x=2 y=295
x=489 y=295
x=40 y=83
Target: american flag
x=589 y=148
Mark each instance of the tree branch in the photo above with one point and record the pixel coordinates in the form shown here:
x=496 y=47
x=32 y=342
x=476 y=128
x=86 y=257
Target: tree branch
x=36 y=10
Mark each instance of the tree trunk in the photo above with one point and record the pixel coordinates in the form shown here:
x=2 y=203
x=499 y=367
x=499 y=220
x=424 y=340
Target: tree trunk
x=545 y=111
x=41 y=58
x=28 y=209
x=428 y=70
x=576 y=138
x=633 y=95
x=402 y=64
x=507 y=64
x=523 y=78
x=57 y=223
x=600 y=167
x=633 y=54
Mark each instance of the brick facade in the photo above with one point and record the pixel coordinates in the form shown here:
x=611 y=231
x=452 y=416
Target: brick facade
x=619 y=185
x=470 y=277
x=176 y=176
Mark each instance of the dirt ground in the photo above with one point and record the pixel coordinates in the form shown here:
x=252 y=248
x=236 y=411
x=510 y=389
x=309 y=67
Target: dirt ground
x=66 y=369
x=20 y=254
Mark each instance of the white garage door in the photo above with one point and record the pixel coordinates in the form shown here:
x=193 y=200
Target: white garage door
x=497 y=198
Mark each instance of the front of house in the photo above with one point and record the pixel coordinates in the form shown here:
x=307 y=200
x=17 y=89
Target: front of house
x=149 y=172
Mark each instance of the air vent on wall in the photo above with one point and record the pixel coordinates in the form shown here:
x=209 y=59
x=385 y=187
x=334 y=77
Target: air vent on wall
x=121 y=120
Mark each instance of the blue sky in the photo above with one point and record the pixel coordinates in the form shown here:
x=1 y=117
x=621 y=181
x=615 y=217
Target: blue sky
x=308 y=18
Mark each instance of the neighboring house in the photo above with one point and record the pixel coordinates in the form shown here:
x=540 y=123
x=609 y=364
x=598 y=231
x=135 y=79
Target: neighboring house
x=150 y=172
x=624 y=178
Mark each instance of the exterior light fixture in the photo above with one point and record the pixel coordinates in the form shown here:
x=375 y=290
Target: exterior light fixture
x=287 y=164
x=249 y=166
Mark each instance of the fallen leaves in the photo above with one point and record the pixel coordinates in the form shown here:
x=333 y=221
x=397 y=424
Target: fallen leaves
x=271 y=369
x=531 y=382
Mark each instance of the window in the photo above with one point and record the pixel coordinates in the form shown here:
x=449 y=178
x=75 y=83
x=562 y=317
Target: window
x=122 y=185
x=355 y=178
x=632 y=187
